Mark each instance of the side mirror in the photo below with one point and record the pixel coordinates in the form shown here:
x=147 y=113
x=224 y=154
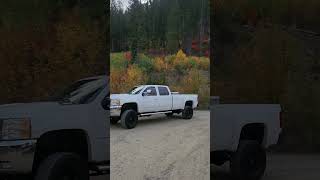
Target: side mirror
x=105 y=103
x=148 y=92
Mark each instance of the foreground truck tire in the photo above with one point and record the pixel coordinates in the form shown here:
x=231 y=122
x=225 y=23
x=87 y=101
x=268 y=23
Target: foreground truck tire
x=249 y=162
x=63 y=166
x=129 y=119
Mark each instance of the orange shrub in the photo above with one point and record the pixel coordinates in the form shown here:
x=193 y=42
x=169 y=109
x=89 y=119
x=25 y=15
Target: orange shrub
x=160 y=65
x=117 y=79
x=134 y=76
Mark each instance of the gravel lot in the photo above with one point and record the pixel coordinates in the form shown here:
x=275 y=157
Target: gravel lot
x=281 y=167
x=162 y=148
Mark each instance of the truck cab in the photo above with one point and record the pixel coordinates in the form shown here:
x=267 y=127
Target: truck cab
x=66 y=136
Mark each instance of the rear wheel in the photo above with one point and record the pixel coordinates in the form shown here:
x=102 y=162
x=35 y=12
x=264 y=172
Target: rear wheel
x=63 y=166
x=187 y=112
x=129 y=119
x=169 y=114
x=249 y=162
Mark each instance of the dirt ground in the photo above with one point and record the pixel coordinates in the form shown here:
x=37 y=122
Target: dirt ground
x=162 y=148
x=281 y=167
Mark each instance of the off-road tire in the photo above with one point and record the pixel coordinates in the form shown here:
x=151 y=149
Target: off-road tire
x=187 y=112
x=61 y=165
x=249 y=162
x=129 y=119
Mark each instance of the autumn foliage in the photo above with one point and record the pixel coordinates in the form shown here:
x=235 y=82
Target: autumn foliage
x=39 y=58
x=185 y=74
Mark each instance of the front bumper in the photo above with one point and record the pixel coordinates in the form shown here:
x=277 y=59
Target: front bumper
x=16 y=157
x=115 y=111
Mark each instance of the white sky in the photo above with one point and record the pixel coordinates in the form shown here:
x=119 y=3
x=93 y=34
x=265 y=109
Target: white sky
x=125 y=3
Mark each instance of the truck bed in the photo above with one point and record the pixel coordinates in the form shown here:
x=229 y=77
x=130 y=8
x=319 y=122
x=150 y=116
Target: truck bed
x=227 y=121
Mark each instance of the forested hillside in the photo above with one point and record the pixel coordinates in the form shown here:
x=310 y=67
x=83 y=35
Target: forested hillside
x=47 y=44
x=267 y=51
x=160 y=26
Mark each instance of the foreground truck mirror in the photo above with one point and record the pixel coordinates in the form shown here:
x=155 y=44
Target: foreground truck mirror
x=105 y=103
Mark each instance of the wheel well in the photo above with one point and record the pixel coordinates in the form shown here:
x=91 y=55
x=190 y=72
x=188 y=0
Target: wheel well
x=75 y=141
x=189 y=103
x=127 y=106
x=253 y=131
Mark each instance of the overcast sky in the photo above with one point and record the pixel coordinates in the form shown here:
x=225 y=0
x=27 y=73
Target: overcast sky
x=125 y=3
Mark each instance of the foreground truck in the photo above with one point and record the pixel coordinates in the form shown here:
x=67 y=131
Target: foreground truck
x=241 y=133
x=64 y=138
x=146 y=100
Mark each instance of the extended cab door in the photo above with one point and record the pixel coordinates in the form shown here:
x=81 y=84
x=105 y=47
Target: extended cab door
x=165 y=98
x=149 y=101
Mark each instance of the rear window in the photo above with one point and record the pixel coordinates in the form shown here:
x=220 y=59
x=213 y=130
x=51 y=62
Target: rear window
x=163 y=91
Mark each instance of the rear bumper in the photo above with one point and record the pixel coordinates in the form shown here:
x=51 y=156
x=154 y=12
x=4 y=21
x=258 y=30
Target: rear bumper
x=16 y=157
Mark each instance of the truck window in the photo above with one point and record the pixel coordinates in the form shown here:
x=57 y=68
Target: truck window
x=81 y=92
x=153 y=91
x=135 y=90
x=163 y=91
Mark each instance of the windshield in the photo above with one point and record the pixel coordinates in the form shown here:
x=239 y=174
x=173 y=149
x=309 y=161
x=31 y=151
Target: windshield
x=82 y=92
x=135 y=90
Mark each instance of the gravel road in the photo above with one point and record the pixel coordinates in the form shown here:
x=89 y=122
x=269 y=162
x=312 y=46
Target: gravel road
x=162 y=148
x=281 y=167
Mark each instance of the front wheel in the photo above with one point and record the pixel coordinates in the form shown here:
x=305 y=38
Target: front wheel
x=187 y=112
x=60 y=166
x=249 y=162
x=129 y=119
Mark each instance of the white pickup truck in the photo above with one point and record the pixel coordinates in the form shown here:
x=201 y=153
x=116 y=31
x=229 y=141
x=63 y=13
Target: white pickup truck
x=64 y=138
x=146 y=100
x=241 y=133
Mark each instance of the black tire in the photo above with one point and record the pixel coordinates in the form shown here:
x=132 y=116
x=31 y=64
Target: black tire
x=249 y=162
x=129 y=119
x=114 y=120
x=187 y=112
x=169 y=114
x=63 y=166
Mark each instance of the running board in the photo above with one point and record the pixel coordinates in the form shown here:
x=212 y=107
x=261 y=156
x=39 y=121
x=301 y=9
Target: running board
x=101 y=170
x=154 y=113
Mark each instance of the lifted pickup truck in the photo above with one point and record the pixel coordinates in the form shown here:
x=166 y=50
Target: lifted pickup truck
x=146 y=100
x=65 y=138
x=241 y=133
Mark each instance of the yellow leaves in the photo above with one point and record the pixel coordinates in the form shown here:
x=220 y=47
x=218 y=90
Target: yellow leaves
x=181 y=56
x=160 y=65
x=116 y=79
x=123 y=80
x=134 y=77
x=204 y=63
